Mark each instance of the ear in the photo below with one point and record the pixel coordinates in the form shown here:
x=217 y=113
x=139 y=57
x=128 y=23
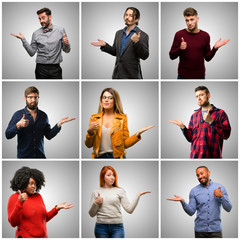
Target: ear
x=50 y=17
x=136 y=20
x=209 y=95
x=25 y=99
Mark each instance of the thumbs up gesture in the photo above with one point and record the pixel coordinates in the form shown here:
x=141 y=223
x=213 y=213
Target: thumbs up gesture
x=98 y=200
x=136 y=37
x=218 y=192
x=183 y=45
x=93 y=125
x=207 y=117
x=22 y=196
x=65 y=39
x=22 y=123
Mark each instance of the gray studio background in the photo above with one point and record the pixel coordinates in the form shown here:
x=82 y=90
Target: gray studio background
x=133 y=177
x=219 y=20
x=140 y=103
x=106 y=19
x=62 y=185
x=58 y=100
x=178 y=178
x=22 y=17
x=178 y=101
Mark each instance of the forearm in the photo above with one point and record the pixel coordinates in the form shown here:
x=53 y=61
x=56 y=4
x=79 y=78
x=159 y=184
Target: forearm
x=29 y=48
x=130 y=141
x=66 y=48
x=222 y=129
x=93 y=209
x=51 y=133
x=142 y=48
x=227 y=205
x=187 y=208
x=14 y=213
x=210 y=54
x=187 y=133
x=109 y=49
x=52 y=213
x=130 y=207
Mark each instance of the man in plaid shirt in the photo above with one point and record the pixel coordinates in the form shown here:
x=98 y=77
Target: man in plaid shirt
x=207 y=128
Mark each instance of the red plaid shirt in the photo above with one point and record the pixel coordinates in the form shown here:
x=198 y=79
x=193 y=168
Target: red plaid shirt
x=207 y=139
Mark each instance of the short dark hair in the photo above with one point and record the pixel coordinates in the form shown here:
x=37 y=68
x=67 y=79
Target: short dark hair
x=21 y=179
x=199 y=88
x=46 y=10
x=190 y=12
x=136 y=13
x=31 y=89
x=202 y=167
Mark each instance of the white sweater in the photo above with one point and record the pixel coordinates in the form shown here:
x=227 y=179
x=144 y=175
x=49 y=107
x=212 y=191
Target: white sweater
x=109 y=211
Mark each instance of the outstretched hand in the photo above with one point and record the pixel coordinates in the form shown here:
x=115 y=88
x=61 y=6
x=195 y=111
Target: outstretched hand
x=220 y=43
x=178 y=123
x=142 y=193
x=140 y=131
x=64 y=120
x=20 y=36
x=100 y=43
x=64 y=206
x=176 y=199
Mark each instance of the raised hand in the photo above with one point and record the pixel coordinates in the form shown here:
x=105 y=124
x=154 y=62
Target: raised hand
x=65 y=39
x=64 y=206
x=140 y=131
x=64 y=120
x=100 y=43
x=142 y=193
x=183 y=45
x=176 y=199
x=218 y=192
x=98 y=200
x=220 y=43
x=22 y=196
x=22 y=123
x=178 y=123
x=20 y=36
x=207 y=117
x=94 y=125
x=136 y=37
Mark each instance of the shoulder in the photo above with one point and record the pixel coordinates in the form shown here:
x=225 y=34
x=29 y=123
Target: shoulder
x=58 y=28
x=181 y=32
x=14 y=197
x=195 y=189
x=120 y=116
x=42 y=113
x=21 y=111
x=96 y=115
x=204 y=33
x=38 y=31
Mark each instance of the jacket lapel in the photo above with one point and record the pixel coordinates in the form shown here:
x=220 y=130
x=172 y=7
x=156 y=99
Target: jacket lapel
x=117 y=122
x=130 y=41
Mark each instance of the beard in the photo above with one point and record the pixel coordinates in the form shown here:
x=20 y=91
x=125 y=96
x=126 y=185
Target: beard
x=204 y=104
x=205 y=181
x=32 y=106
x=46 y=24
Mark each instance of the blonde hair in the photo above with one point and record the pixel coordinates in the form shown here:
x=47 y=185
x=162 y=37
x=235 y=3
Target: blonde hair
x=117 y=101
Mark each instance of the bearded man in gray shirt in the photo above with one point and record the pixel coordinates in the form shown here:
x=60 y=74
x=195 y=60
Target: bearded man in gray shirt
x=48 y=41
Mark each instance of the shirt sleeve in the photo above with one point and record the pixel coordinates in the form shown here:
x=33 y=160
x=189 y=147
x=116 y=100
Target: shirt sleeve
x=227 y=205
x=110 y=49
x=49 y=132
x=187 y=132
x=93 y=207
x=175 y=49
x=191 y=207
x=208 y=53
x=142 y=47
x=66 y=48
x=52 y=213
x=127 y=206
x=222 y=127
x=32 y=48
x=12 y=130
x=14 y=210
x=90 y=138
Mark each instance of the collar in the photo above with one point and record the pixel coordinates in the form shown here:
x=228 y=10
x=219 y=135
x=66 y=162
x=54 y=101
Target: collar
x=27 y=112
x=212 y=109
x=133 y=30
x=117 y=115
x=211 y=183
x=45 y=30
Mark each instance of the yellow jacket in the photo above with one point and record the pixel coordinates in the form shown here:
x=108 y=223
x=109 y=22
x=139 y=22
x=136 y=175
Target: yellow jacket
x=119 y=135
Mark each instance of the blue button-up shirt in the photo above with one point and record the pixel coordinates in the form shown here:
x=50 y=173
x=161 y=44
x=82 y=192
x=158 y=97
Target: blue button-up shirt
x=30 y=138
x=208 y=207
x=125 y=38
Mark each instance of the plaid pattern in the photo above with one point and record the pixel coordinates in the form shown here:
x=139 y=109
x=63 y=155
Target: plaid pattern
x=207 y=139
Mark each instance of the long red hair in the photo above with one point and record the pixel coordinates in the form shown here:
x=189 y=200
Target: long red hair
x=102 y=175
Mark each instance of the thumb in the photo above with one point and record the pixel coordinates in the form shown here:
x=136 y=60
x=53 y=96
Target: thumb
x=91 y=119
x=64 y=35
x=219 y=187
x=182 y=39
x=23 y=116
x=19 y=192
x=220 y=39
x=139 y=33
x=98 y=194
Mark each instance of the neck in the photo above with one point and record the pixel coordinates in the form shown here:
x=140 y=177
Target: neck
x=107 y=186
x=109 y=112
x=207 y=183
x=207 y=107
x=32 y=111
x=195 y=30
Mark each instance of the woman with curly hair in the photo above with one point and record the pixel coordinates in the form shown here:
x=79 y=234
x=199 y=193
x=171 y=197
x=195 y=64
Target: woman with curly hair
x=105 y=203
x=26 y=209
x=108 y=131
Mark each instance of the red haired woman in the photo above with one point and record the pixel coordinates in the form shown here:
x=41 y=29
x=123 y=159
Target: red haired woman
x=108 y=131
x=105 y=203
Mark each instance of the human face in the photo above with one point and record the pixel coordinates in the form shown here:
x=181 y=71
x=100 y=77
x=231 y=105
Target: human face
x=32 y=101
x=109 y=178
x=45 y=20
x=202 y=98
x=129 y=18
x=31 y=187
x=203 y=176
x=107 y=101
x=191 y=22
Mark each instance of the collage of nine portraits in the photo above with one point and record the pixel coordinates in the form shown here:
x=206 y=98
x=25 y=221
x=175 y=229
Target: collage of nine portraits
x=119 y=119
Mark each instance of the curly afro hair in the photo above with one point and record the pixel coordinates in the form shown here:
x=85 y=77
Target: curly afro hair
x=21 y=179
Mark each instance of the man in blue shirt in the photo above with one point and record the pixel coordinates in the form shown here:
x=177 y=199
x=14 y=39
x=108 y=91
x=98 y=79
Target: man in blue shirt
x=31 y=125
x=206 y=198
x=130 y=45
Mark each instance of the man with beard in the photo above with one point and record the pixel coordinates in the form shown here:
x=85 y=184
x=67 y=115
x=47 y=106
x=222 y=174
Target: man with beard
x=31 y=125
x=192 y=46
x=206 y=198
x=207 y=128
x=48 y=41
x=130 y=44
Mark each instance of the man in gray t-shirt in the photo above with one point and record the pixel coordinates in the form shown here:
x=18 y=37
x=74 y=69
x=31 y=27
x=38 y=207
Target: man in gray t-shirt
x=48 y=41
